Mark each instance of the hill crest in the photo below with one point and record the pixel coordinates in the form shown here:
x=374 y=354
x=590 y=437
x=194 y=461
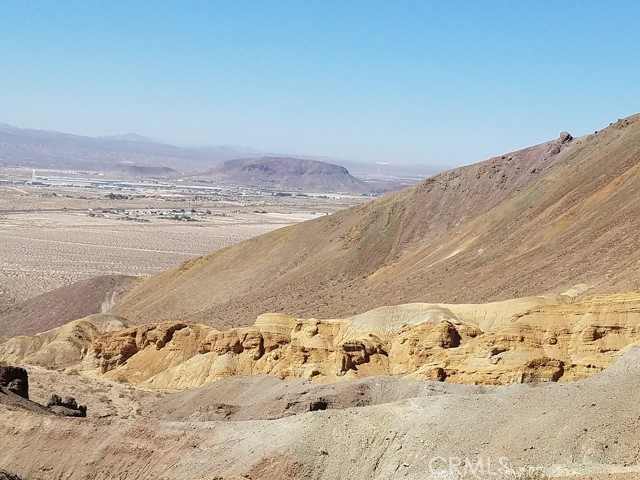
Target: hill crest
x=536 y=220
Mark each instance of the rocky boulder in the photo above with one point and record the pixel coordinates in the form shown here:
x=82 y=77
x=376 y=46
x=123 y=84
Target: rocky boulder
x=565 y=137
x=15 y=379
x=4 y=475
x=67 y=406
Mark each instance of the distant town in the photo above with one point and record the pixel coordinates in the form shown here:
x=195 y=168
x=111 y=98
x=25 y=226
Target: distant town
x=96 y=180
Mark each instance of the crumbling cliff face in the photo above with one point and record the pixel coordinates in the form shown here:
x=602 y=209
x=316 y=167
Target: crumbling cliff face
x=518 y=341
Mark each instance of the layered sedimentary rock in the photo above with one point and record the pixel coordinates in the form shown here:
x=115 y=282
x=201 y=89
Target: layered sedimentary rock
x=136 y=354
x=517 y=341
x=60 y=347
x=523 y=340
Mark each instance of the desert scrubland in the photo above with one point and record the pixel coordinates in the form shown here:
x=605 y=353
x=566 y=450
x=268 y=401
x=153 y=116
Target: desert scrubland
x=51 y=237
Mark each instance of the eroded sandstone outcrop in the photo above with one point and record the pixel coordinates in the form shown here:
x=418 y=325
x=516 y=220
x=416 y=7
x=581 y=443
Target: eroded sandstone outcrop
x=137 y=353
x=60 y=347
x=517 y=341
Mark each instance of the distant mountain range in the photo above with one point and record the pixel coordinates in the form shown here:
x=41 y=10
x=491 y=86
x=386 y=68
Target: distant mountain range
x=133 y=155
x=48 y=149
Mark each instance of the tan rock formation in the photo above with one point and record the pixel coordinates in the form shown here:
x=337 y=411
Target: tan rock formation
x=516 y=341
x=60 y=347
x=522 y=340
x=138 y=353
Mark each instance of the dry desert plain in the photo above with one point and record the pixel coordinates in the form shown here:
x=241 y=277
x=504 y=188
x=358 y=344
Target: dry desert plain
x=54 y=236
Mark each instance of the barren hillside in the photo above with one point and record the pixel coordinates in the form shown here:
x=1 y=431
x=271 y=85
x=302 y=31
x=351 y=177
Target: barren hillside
x=240 y=423
x=532 y=221
x=350 y=390
x=62 y=305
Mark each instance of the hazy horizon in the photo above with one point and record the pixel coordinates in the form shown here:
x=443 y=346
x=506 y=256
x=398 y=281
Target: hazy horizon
x=411 y=82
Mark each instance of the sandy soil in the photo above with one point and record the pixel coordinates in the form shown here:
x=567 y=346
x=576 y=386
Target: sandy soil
x=43 y=251
x=102 y=397
x=49 y=241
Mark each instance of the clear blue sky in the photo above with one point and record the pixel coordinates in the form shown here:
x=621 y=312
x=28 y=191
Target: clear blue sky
x=441 y=82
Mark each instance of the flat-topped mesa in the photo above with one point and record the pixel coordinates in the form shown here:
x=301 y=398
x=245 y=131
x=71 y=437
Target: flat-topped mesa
x=287 y=173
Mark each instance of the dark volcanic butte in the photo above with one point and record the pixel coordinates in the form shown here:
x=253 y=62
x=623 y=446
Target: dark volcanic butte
x=538 y=220
x=288 y=173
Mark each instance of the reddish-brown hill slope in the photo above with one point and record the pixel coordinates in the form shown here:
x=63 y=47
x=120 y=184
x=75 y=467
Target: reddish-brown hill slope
x=60 y=306
x=541 y=219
